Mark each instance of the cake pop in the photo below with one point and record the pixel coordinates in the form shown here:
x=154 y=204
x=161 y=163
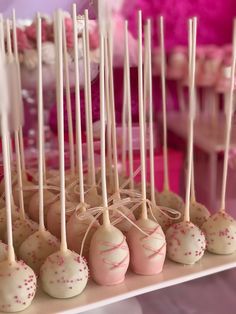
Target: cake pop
x=17 y=280
x=64 y=274
x=22 y=227
x=220 y=228
x=147 y=253
x=3 y=251
x=37 y=247
x=185 y=241
x=167 y=197
x=76 y=226
x=121 y=223
x=91 y=197
x=109 y=252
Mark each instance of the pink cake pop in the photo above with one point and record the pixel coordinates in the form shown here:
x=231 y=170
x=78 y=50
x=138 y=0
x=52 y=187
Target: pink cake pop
x=64 y=274
x=186 y=242
x=15 y=276
x=220 y=228
x=37 y=247
x=147 y=253
x=109 y=253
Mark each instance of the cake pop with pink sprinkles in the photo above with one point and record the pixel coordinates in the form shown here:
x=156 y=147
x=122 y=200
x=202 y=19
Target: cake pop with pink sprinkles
x=185 y=241
x=64 y=274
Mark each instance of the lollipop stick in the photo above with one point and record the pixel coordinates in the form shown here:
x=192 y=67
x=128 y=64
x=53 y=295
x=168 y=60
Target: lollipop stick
x=192 y=43
x=141 y=116
x=68 y=103
x=78 y=109
x=149 y=86
x=106 y=219
x=127 y=88
x=40 y=125
x=163 y=90
x=4 y=110
x=108 y=116
x=112 y=108
x=124 y=126
x=19 y=175
x=89 y=109
x=229 y=114
x=61 y=131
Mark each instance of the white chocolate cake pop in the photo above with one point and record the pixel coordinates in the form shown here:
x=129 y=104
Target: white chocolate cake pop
x=170 y=199
x=17 y=280
x=17 y=286
x=64 y=275
x=92 y=198
x=3 y=218
x=220 y=228
x=37 y=247
x=185 y=242
x=198 y=213
x=220 y=232
x=27 y=193
x=33 y=208
x=54 y=214
x=3 y=251
x=21 y=230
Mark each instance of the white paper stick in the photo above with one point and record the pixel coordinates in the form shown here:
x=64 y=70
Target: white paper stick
x=129 y=109
x=63 y=246
x=192 y=43
x=141 y=116
x=163 y=90
x=68 y=103
x=40 y=125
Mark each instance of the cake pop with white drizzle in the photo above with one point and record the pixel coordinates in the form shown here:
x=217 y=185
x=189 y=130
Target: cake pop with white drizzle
x=147 y=253
x=220 y=228
x=109 y=252
x=186 y=243
x=77 y=227
x=167 y=197
x=17 y=280
x=37 y=247
x=64 y=274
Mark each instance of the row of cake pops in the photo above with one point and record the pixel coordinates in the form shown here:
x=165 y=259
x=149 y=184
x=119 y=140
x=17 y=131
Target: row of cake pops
x=108 y=252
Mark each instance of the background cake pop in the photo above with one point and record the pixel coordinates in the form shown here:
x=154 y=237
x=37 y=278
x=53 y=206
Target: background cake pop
x=116 y=219
x=220 y=228
x=109 y=253
x=3 y=251
x=22 y=227
x=37 y=247
x=17 y=280
x=147 y=253
x=64 y=274
x=167 y=197
x=77 y=225
x=185 y=241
